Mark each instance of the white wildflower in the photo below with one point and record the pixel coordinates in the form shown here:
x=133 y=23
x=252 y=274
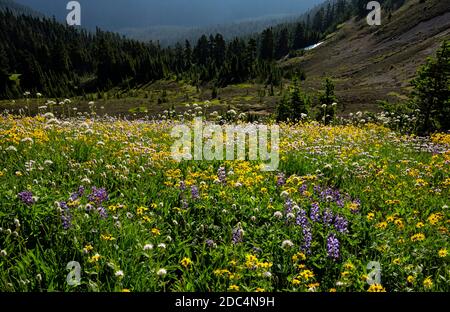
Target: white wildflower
x=287 y=243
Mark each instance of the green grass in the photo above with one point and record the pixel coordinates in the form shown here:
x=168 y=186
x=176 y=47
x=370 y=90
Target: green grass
x=389 y=192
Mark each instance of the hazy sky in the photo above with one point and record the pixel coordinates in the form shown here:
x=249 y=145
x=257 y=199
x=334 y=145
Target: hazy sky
x=116 y=14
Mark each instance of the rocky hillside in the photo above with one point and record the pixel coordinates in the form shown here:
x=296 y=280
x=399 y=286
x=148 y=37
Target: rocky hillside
x=373 y=63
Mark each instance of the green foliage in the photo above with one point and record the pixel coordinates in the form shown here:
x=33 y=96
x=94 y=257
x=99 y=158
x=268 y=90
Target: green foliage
x=431 y=94
x=327 y=101
x=295 y=105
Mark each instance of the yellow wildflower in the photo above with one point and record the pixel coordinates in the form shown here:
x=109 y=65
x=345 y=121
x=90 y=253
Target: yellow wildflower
x=88 y=248
x=234 y=288
x=349 y=266
x=95 y=258
x=376 y=288
x=141 y=210
x=186 y=262
x=399 y=223
x=156 y=232
x=435 y=218
x=107 y=237
x=428 y=283
x=298 y=256
x=417 y=237
x=443 y=253
x=306 y=274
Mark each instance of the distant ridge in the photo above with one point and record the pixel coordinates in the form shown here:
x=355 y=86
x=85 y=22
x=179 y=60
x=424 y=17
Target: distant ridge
x=17 y=8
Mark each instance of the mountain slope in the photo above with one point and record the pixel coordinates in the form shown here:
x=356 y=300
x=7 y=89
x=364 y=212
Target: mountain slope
x=376 y=63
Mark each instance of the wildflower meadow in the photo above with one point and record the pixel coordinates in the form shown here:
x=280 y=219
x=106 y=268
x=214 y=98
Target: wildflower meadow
x=99 y=204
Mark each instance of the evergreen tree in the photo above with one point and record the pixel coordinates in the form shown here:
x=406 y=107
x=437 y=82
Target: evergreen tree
x=294 y=106
x=431 y=94
x=299 y=102
x=299 y=37
x=282 y=48
x=267 y=45
x=4 y=70
x=319 y=19
x=327 y=101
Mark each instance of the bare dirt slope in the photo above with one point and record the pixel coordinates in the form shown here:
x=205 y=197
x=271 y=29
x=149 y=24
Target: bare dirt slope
x=378 y=62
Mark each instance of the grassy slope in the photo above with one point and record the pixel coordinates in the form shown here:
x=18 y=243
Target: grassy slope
x=372 y=63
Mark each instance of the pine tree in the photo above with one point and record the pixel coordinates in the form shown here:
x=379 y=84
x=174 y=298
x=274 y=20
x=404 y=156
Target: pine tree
x=282 y=48
x=431 y=94
x=299 y=37
x=4 y=70
x=319 y=19
x=298 y=102
x=267 y=45
x=327 y=101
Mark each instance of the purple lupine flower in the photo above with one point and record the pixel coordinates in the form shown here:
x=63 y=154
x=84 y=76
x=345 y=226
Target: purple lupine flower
x=222 y=174
x=184 y=204
x=77 y=194
x=98 y=196
x=302 y=220
x=288 y=205
x=341 y=224
x=281 y=180
x=328 y=217
x=315 y=212
x=102 y=212
x=80 y=191
x=317 y=188
x=307 y=240
x=194 y=192
x=182 y=185
x=238 y=234
x=26 y=197
x=210 y=243
x=66 y=217
x=333 y=247
x=330 y=195
x=66 y=221
x=302 y=188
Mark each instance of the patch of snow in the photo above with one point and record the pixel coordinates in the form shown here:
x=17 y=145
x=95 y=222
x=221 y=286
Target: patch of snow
x=313 y=46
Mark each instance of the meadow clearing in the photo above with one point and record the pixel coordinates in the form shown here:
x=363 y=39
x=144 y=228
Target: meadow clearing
x=106 y=193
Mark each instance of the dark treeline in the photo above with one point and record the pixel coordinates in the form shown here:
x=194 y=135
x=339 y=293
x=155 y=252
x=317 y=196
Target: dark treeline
x=43 y=55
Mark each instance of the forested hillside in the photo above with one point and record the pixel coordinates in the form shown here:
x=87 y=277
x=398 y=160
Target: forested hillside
x=42 y=55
